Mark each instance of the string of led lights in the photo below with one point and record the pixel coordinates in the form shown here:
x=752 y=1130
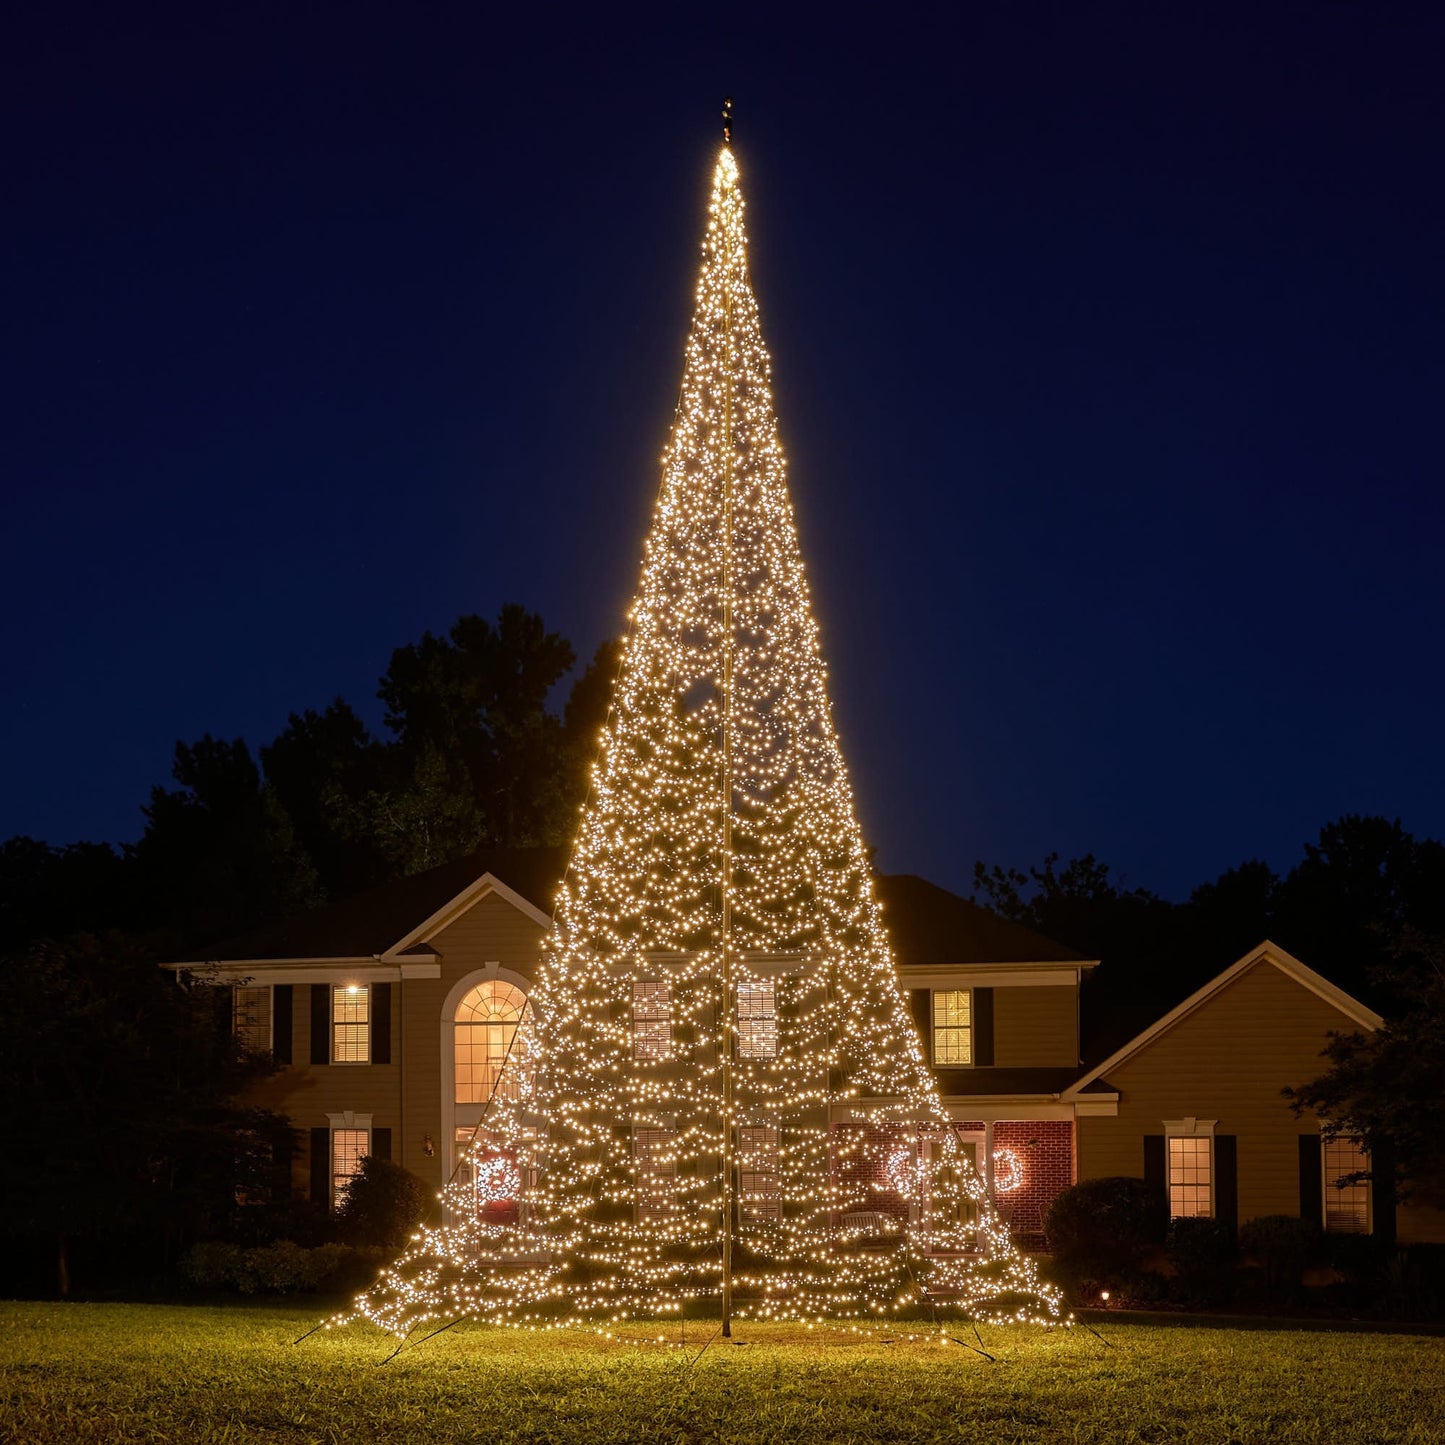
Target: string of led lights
x=723 y=1099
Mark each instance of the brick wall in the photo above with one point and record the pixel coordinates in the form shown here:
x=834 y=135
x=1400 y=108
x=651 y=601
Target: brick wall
x=1044 y=1149
x=860 y=1158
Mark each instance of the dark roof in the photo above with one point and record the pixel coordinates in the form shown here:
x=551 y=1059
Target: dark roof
x=928 y=924
x=972 y=1082
x=369 y=923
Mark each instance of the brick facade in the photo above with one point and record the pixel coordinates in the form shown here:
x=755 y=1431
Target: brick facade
x=1044 y=1149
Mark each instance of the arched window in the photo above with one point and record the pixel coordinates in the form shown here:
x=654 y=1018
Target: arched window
x=489 y=1050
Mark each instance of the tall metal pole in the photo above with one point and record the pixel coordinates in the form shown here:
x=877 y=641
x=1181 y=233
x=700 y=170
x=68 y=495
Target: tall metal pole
x=725 y=1042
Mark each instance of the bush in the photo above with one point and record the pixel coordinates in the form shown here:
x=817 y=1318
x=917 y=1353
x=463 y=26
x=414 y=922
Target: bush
x=1281 y=1245
x=1103 y=1229
x=384 y=1204
x=1202 y=1252
x=280 y=1268
x=211 y=1264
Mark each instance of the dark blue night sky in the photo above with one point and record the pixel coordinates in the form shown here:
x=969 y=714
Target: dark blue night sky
x=1108 y=341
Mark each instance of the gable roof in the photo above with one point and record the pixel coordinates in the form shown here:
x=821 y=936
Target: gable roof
x=1267 y=952
x=928 y=924
x=373 y=923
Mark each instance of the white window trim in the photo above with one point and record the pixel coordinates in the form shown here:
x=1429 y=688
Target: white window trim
x=331 y=1025
x=270 y=1012
x=771 y=986
x=934 y=1026
x=670 y=1045
x=1191 y=1128
x=347 y=1119
x=1327 y=1186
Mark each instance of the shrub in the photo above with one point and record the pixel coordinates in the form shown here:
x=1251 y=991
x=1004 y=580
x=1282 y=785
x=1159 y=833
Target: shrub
x=211 y=1264
x=1102 y=1229
x=1280 y=1244
x=384 y=1204
x=1202 y=1252
x=280 y=1268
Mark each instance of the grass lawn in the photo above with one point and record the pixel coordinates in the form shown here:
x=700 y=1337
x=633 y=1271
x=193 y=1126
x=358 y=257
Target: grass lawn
x=202 y=1376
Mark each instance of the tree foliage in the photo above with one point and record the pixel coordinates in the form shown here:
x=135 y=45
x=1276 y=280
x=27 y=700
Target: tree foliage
x=1384 y=1087
x=117 y=1085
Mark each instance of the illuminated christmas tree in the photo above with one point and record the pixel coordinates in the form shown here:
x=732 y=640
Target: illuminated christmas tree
x=722 y=1077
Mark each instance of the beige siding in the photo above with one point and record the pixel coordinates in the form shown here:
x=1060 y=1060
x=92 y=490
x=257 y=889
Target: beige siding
x=1227 y=1061
x=1035 y=1027
x=404 y=1095
x=308 y=1092
x=1418 y=1222
x=492 y=931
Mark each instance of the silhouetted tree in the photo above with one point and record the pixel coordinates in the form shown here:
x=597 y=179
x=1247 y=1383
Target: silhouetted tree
x=318 y=765
x=1385 y=1087
x=116 y=1083
x=475 y=705
x=219 y=853
x=1343 y=908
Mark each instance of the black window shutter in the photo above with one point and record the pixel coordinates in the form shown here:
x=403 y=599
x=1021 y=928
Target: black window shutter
x=921 y=1001
x=282 y=1005
x=283 y=1148
x=381 y=1143
x=321 y=1167
x=224 y=1003
x=1382 y=1191
x=1311 y=1167
x=983 y=1027
x=1154 y=1174
x=320 y=1023
x=1226 y=1180
x=381 y=1023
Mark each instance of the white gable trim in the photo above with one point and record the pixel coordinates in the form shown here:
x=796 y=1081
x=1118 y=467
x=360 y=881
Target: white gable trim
x=1267 y=952
x=453 y=909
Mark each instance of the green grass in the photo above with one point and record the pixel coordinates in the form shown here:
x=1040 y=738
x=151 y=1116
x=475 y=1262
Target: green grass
x=82 y=1373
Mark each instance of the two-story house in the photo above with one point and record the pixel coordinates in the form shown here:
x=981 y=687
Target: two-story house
x=392 y=1014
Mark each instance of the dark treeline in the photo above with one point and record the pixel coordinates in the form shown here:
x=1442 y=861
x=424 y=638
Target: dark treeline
x=129 y=1144
x=473 y=756
x=1348 y=908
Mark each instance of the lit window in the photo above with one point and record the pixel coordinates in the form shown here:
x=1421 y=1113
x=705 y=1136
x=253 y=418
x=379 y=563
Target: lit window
x=348 y=1148
x=1191 y=1177
x=760 y=1194
x=490 y=1043
x=351 y=1023
x=952 y=1026
x=651 y=1020
x=1347 y=1206
x=758 y=1019
x=656 y=1172
x=251 y=1019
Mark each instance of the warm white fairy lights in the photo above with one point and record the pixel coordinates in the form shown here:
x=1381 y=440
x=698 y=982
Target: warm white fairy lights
x=719 y=842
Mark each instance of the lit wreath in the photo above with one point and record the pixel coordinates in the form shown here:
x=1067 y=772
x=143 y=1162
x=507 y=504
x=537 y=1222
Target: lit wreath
x=1008 y=1171
x=499 y=1181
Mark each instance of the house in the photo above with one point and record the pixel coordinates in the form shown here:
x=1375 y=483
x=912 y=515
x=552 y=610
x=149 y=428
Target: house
x=392 y=1013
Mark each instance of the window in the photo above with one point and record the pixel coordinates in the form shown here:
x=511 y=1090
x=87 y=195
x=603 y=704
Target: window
x=952 y=1026
x=490 y=1054
x=656 y=1172
x=758 y=1019
x=651 y=1020
x=1190 y=1163
x=348 y=1148
x=1347 y=1206
x=251 y=1018
x=351 y=1023
x=759 y=1191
